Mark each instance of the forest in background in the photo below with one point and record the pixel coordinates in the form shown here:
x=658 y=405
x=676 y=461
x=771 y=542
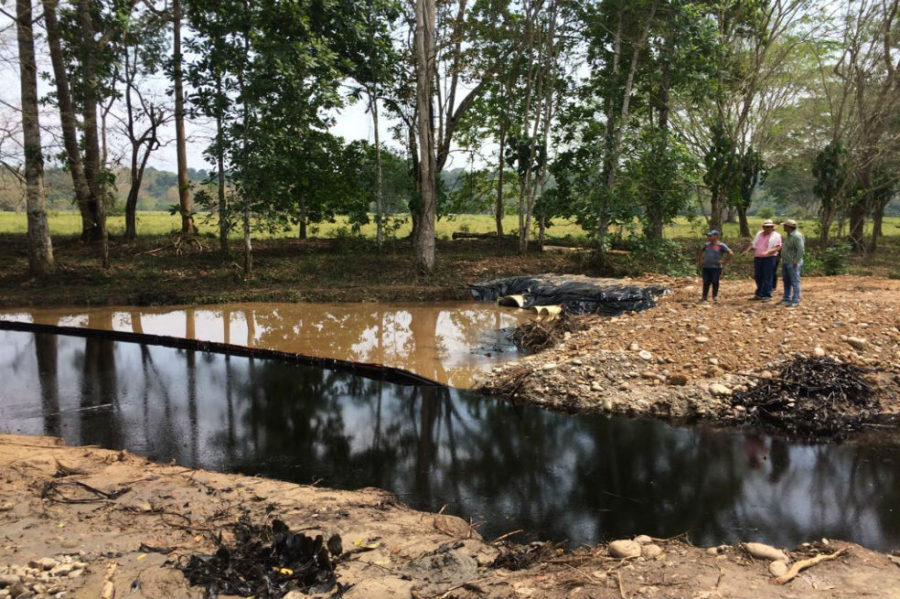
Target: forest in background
x=605 y=112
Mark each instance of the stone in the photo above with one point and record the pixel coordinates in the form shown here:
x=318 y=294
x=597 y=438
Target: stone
x=678 y=379
x=763 y=551
x=819 y=351
x=624 y=549
x=702 y=328
x=549 y=366
x=777 y=568
x=643 y=539
x=858 y=342
x=634 y=347
x=718 y=389
x=649 y=374
x=76 y=573
x=62 y=569
x=714 y=361
x=8 y=580
x=712 y=550
x=45 y=563
x=701 y=339
x=645 y=355
x=651 y=551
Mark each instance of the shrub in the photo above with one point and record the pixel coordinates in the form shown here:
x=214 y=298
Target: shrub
x=834 y=258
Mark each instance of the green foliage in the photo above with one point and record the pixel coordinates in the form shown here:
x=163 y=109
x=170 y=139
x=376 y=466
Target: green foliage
x=765 y=212
x=831 y=170
x=834 y=258
x=664 y=256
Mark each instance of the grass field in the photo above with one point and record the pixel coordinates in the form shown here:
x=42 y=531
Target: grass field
x=161 y=223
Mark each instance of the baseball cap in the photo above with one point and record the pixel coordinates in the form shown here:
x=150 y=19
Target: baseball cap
x=713 y=232
x=789 y=223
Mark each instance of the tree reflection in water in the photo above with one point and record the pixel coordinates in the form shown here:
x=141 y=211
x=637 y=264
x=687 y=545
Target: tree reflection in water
x=582 y=479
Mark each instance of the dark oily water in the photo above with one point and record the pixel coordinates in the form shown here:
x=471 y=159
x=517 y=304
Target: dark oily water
x=578 y=478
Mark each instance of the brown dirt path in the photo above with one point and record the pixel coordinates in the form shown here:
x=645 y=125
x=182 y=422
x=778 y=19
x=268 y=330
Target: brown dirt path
x=414 y=554
x=682 y=360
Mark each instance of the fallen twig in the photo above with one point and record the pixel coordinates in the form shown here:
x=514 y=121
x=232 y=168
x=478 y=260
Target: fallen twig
x=807 y=563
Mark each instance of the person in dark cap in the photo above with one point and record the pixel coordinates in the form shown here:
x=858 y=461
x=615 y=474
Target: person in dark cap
x=792 y=260
x=713 y=256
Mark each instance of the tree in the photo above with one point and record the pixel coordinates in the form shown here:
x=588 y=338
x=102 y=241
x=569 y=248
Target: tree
x=141 y=55
x=40 y=247
x=424 y=242
x=184 y=190
x=831 y=170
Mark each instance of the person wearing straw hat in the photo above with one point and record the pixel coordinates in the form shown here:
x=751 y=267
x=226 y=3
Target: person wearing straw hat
x=713 y=256
x=792 y=260
x=765 y=247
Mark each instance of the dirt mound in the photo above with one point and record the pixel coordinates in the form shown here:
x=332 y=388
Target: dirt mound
x=811 y=396
x=266 y=562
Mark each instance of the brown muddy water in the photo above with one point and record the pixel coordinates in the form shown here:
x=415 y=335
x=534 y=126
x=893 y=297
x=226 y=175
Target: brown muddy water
x=450 y=343
x=574 y=478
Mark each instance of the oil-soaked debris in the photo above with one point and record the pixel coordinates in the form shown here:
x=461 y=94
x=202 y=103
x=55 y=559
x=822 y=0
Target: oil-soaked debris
x=266 y=562
x=522 y=557
x=576 y=294
x=812 y=397
x=536 y=335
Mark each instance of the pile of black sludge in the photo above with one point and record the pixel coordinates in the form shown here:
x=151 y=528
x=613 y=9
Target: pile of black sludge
x=811 y=397
x=266 y=562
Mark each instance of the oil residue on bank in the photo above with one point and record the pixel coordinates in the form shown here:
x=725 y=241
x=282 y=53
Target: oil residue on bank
x=575 y=478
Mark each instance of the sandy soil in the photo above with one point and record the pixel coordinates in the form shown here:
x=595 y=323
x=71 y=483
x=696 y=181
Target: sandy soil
x=59 y=539
x=683 y=360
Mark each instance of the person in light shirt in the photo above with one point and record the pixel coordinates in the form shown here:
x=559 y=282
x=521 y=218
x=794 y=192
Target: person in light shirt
x=765 y=247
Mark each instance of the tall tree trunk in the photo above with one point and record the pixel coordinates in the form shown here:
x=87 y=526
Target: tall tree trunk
x=498 y=206
x=742 y=219
x=826 y=219
x=67 y=119
x=92 y=166
x=184 y=189
x=301 y=216
x=40 y=248
x=248 y=247
x=877 y=220
x=716 y=208
x=137 y=177
x=859 y=210
x=424 y=241
x=379 y=181
x=220 y=166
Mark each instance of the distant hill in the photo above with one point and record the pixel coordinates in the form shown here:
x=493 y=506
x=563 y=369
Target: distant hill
x=159 y=189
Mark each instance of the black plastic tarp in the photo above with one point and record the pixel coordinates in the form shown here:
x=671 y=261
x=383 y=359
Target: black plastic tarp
x=576 y=294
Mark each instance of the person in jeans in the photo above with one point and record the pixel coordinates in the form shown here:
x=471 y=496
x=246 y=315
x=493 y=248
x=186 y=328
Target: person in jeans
x=792 y=260
x=713 y=255
x=765 y=246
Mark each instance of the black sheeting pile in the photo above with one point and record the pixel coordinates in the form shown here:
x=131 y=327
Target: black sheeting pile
x=576 y=294
x=811 y=397
x=266 y=562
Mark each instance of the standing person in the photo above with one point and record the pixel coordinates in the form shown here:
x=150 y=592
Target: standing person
x=792 y=260
x=713 y=256
x=765 y=246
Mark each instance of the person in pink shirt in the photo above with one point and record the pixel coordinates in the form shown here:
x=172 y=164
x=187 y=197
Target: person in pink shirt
x=765 y=247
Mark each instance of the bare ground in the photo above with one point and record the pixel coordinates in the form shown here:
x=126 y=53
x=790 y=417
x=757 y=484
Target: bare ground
x=683 y=360
x=94 y=542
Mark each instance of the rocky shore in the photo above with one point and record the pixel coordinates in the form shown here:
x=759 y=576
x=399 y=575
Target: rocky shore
x=685 y=360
